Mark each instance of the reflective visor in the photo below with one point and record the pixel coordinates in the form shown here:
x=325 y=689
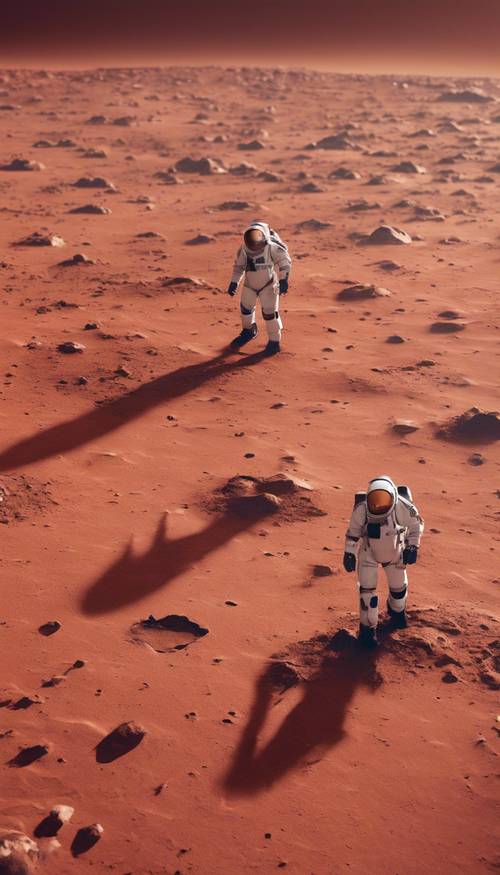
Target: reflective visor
x=379 y=501
x=254 y=238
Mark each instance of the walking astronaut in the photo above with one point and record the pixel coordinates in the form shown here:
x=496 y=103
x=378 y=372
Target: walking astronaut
x=264 y=261
x=385 y=528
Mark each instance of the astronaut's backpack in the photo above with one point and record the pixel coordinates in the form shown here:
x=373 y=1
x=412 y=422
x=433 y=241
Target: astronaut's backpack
x=275 y=238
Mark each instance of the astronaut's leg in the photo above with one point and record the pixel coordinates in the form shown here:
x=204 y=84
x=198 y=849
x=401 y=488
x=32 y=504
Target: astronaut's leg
x=368 y=600
x=398 y=591
x=247 y=308
x=270 y=301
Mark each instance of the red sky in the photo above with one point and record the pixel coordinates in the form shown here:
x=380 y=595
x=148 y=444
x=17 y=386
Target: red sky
x=428 y=36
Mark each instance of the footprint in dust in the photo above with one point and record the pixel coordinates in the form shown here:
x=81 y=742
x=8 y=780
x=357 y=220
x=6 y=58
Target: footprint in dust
x=173 y=632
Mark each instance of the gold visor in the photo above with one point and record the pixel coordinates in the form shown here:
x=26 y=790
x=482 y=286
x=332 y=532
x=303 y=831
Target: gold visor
x=379 y=501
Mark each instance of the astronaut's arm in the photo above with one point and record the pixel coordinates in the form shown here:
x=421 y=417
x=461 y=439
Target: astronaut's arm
x=413 y=522
x=238 y=266
x=355 y=529
x=282 y=261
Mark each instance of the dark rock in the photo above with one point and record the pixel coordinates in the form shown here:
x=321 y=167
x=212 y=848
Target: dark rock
x=395 y=338
x=28 y=755
x=86 y=838
x=446 y=327
x=119 y=742
x=94 y=182
x=49 y=628
x=200 y=239
x=23 y=164
x=204 y=166
x=169 y=633
x=360 y=292
x=473 y=425
x=322 y=570
x=92 y=209
x=70 y=346
x=50 y=825
x=38 y=239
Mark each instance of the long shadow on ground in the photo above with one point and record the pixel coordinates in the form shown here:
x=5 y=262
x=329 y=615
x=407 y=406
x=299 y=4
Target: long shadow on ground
x=102 y=420
x=310 y=729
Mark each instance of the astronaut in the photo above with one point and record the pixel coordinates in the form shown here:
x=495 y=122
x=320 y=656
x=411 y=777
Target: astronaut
x=386 y=527
x=264 y=260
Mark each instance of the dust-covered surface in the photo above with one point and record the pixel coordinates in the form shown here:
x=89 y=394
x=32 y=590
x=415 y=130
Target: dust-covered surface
x=143 y=472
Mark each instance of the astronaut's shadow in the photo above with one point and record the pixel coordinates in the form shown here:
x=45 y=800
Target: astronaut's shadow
x=107 y=418
x=133 y=576
x=310 y=729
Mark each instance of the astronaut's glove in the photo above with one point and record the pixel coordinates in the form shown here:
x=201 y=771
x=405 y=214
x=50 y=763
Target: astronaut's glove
x=232 y=289
x=410 y=555
x=349 y=562
x=283 y=287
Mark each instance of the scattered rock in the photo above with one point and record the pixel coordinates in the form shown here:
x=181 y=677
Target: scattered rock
x=50 y=825
x=360 y=292
x=23 y=164
x=234 y=205
x=119 y=742
x=70 y=346
x=170 y=633
x=473 y=425
x=252 y=146
x=200 y=239
x=38 y=239
x=28 y=755
x=94 y=182
x=204 y=166
x=389 y=265
x=335 y=141
x=395 y=338
x=404 y=426
x=18 y=853
x=313 y=225
x=468 y=95
x=322 y=570
x=344 y=173
x=446 y=327
x=408 y=167
x=476 y=459
x=79 y=258
x=49 y=628
x=449 y=677
x=92 y=209
x=86 y=838
x=385 y=234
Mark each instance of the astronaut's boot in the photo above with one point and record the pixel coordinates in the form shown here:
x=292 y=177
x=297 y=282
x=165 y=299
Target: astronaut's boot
x=399 y=619
x=273 y=346
x=396 y=606
x=245 y=335
x=367 y=636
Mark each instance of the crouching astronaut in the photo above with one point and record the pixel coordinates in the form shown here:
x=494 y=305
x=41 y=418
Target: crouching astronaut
x=264 y=261
x=385 y=529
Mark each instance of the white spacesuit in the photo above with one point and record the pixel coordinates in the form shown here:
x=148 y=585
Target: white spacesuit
x=264 y=260
x=386 y=527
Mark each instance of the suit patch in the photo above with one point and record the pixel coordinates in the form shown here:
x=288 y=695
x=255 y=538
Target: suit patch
x=373 y=530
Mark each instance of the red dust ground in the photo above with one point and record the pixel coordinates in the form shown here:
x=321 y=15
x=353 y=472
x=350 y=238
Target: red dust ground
x=269 y=741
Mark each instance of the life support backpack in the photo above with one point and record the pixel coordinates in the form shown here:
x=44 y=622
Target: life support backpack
x=275 y=238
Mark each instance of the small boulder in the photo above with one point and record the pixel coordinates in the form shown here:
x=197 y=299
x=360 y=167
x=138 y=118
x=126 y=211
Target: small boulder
x=86 y=838
x=386 y=234
x=119 y=742
x=361 y=292
x=70 y=347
